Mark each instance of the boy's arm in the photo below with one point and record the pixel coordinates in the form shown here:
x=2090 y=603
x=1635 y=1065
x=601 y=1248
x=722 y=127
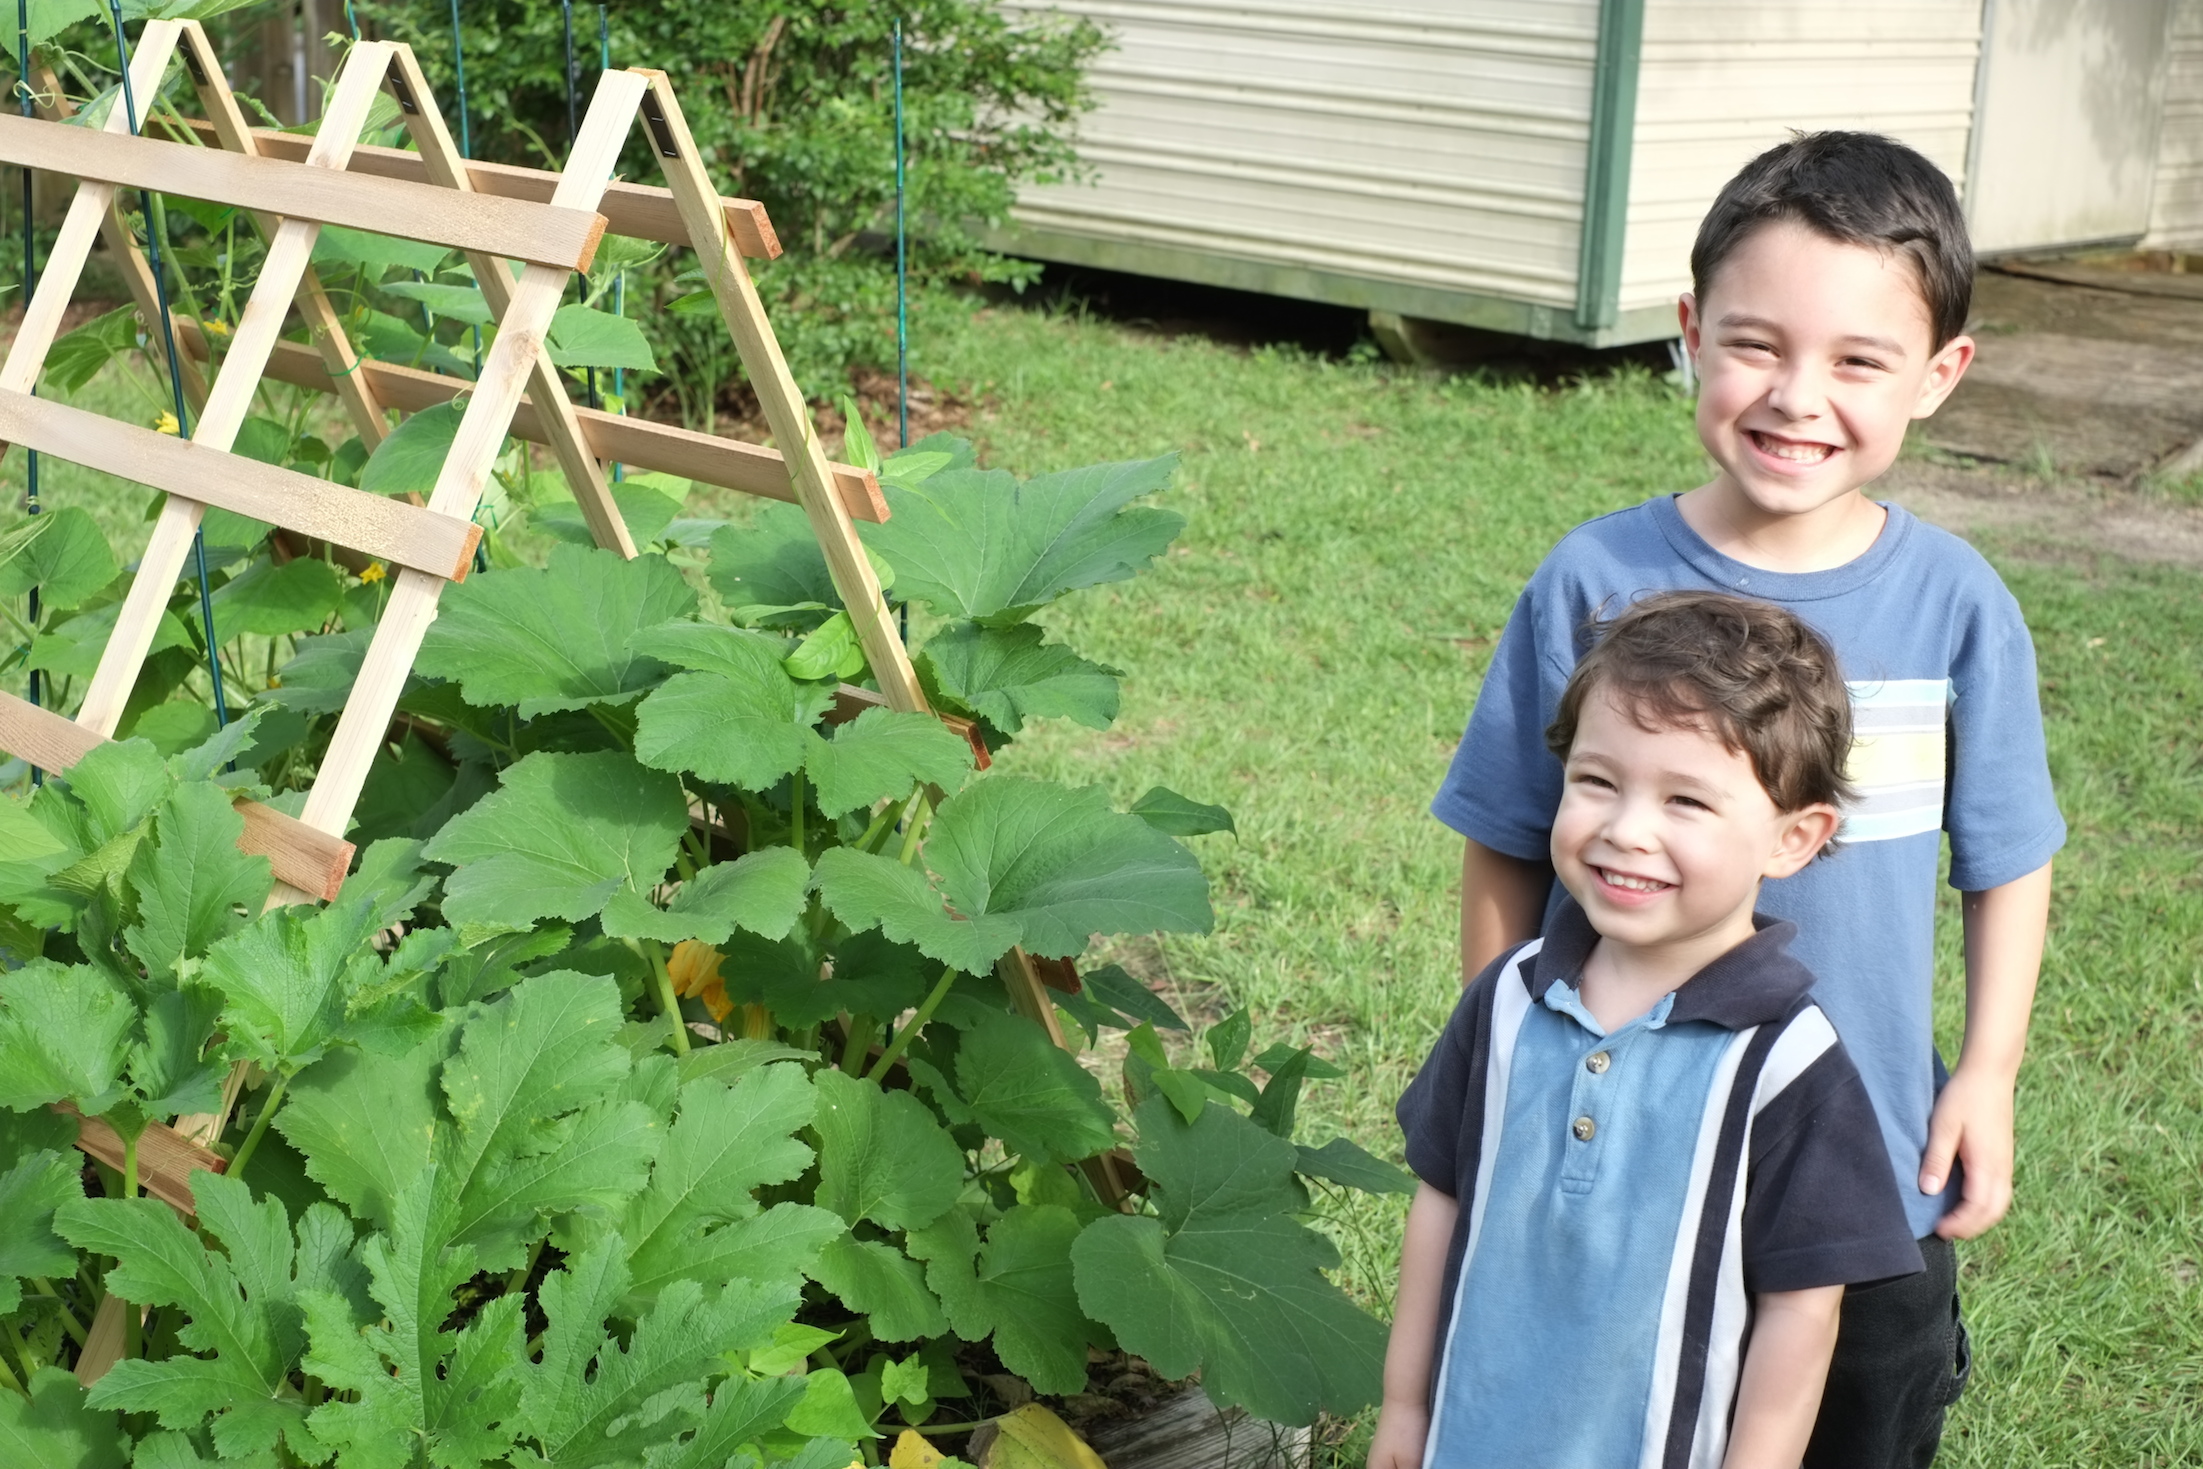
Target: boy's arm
x=1785 y=1367
x=1973 y=1116
x=1502 y=904
x=1404 y=1421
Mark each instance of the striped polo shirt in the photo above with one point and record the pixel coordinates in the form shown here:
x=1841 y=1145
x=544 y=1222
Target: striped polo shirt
x=1625 y=1193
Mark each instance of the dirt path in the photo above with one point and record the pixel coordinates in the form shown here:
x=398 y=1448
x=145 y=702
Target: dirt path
x=2080 y=395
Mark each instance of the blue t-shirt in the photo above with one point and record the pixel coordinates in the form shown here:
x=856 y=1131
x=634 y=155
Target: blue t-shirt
x=1948 y=739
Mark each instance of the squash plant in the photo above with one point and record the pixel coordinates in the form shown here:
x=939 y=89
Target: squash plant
x=648 y=1096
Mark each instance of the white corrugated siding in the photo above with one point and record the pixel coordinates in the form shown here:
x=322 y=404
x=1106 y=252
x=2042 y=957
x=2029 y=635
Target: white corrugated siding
x=1723 y=80
x=1437 y=144
x=2176 y=199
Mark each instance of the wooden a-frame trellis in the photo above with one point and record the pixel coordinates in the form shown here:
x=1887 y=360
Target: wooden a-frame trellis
x=551 y=224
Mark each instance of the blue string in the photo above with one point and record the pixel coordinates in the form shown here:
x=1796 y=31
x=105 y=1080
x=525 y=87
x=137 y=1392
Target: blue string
x=902 y=259
x=466 y=137
x=30 y=284
x=175 y=372
x=619 y=282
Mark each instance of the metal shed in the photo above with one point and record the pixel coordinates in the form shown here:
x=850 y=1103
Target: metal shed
x=1540 y=166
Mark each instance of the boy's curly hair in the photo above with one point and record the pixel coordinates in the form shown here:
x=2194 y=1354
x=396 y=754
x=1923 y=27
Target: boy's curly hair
x=1856 y=189
x=1750 y=673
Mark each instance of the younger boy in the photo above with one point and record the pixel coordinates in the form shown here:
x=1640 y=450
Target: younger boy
x=1641 y=1145
x=1832 y=279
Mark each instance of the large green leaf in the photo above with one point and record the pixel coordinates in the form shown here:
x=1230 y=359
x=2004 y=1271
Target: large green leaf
x=647 y=512
x=762 y=891
x=1223 y=1280
x=736 y=717
x=596 y=1400
x=31 y=1189
x=977 y=544
x=559 y=838
x=1017 y=1288
x=411 y=460
x=774 y=561
x=882 y=1284
x=741 y=1412
x=1347 y=1163
x=1029 y=1092
x=288 y=980
x=460 y=303
x=882 y=1157
x=450 y=1394
x=274 y=601
x=51 y=1427
x=366 y=1123
x=881 y=755
x=1008 y=675
x=726 y=1143
x=240 y=1307
x=77 y=358
x=582 y=336
x=1022 y=861
x=193 y=884
x=64 y=1035
x=556 y=638
x=542 y=1127
x=62 y=553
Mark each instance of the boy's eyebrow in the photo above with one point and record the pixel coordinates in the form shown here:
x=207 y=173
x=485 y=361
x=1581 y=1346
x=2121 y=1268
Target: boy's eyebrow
x=1889 y=345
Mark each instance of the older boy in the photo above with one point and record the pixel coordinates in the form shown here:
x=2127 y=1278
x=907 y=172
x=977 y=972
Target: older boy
x=1648 y=1167
x=1832 y=280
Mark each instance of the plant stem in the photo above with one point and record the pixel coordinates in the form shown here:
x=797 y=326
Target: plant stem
x=913 y=831
x=246 y=1149
x=971 y=1427
x=903 y=1037
x=861 y=1031
x=798 y=798
x=878 y=829
x=69 y=1323
x=130 y=1165
x=7 y=1375
x=667 y=1000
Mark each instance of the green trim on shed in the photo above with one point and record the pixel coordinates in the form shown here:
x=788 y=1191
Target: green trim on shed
x=1606 y=163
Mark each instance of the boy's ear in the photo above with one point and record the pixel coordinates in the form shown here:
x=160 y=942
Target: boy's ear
x=1686 y=316
x=1945 y=368
x=1801 y=836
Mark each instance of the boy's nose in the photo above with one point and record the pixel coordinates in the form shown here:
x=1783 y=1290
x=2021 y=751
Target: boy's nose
x=1631 y=826
x=1799 y=393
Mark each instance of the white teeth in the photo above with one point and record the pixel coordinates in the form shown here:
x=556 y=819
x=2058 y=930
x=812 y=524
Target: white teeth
x=1634 y=884
x=1795 y=453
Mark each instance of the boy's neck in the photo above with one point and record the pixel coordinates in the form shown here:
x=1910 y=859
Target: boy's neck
x=1820 y=539
x=1622 y=981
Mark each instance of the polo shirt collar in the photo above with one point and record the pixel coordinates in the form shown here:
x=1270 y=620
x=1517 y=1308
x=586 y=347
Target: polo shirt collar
x=1754 y=983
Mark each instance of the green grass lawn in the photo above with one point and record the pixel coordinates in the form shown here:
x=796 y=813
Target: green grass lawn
x=1307 y=656
x=1309 y=653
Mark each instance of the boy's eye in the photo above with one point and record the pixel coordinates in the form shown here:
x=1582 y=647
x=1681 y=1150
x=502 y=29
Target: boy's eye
x=1690 y=801
x=1586 y=778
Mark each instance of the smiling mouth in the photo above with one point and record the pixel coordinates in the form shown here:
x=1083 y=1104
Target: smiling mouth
x=1629 y=882
x=1790 y=451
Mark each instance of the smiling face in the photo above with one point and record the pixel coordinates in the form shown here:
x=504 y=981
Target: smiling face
x=1812 y=357
x=1663 y=836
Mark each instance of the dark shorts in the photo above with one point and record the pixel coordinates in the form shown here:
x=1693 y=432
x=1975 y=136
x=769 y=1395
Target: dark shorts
x=1902 y=1358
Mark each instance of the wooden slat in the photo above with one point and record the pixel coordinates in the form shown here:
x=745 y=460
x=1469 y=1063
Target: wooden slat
x=166 y=1159
x=283 y=266
x=540 y=234
x=307 y=859
x=639 y=211
x=786 y=410
x=404 y=535
x=554 y=410
x=638 y=443
x=323 y=325
x=88 y=212
x=412 y=603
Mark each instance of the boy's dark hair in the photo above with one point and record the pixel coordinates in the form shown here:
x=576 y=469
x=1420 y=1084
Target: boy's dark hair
x=1767 y=684
x=1858 y=189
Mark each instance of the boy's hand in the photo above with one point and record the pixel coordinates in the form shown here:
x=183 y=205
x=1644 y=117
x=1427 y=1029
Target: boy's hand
x=1401 y=1430
x=1973 y=1122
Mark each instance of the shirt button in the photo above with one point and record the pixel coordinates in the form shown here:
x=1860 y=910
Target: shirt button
x=1597 y=1062
x=1584 y=1129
